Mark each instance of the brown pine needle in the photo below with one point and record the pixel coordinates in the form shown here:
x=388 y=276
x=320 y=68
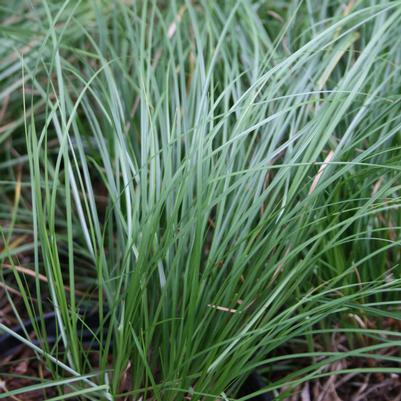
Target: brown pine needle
x=321 y=170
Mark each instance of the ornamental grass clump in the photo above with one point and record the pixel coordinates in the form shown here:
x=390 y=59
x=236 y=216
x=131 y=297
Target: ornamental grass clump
x=218 y=182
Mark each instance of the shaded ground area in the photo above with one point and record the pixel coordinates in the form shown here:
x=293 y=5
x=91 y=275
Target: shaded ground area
x=22 y=370
x=351 y=387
